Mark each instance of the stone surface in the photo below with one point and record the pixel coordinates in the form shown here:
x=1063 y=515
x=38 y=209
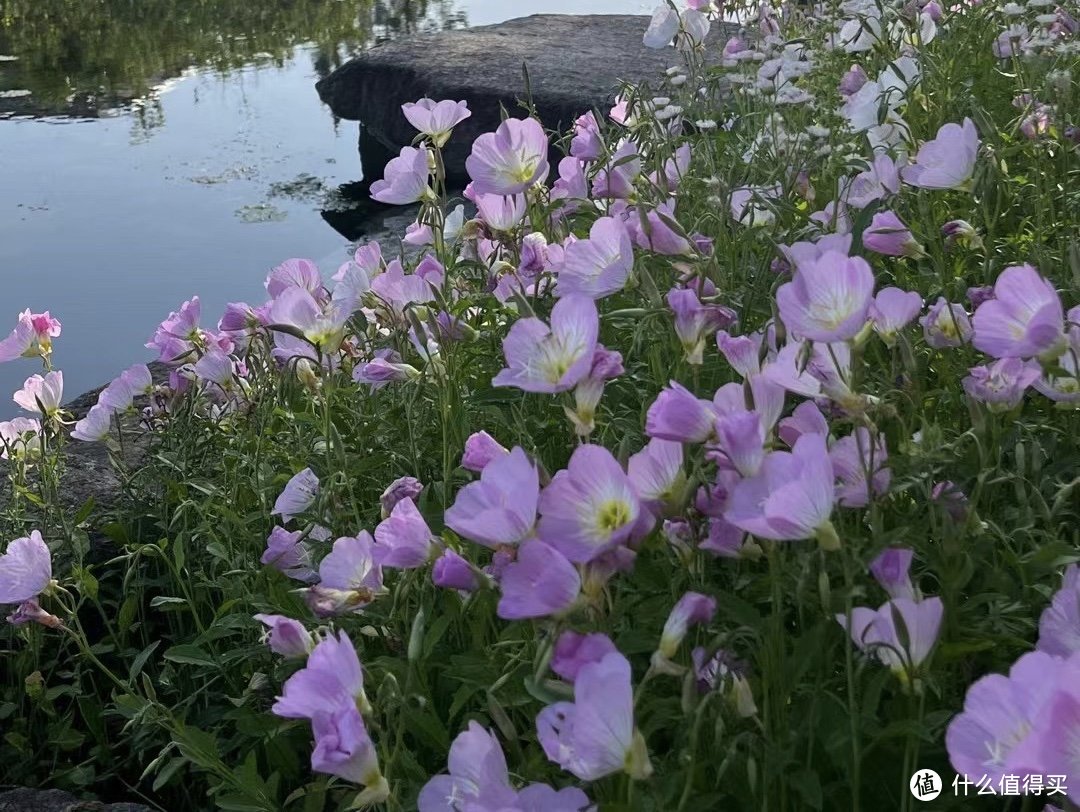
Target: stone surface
x=88 y=471
x=574 y=63
x=55 y=800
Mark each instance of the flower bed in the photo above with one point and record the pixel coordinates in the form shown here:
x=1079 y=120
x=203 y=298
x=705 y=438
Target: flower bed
x=735 y=468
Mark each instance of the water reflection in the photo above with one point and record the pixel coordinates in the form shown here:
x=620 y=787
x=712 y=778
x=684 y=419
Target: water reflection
x=91 y=59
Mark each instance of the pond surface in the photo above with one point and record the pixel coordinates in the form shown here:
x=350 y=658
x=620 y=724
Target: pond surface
x=151 y=150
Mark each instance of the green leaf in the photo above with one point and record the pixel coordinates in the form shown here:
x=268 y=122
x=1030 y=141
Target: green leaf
x=189 y=655
x=141 y=658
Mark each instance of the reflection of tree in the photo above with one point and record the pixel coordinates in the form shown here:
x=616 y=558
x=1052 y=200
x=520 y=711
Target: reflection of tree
x=92 y=55
x=82 y=56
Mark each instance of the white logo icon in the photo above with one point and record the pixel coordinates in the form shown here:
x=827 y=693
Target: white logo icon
x=925 y=785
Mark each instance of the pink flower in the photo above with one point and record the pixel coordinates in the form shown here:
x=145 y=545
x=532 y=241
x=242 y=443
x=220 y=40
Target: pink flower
x=887 y=234
x=946 y=325
x=42 y=394
x=286 y=636
x=451 y=571
x=587 y=144
x=1059 y=624
x=851 y=458
x=436 y=119
x=479 y=780
x=287 y=553
x=574 y=651
x=402 y=488
x=891 y=568
x=501 y=213
x=852 y=80
x=500 y=508
x=893 y=310
x=988 y=737
x=656 y=473
x=791 y=497
x=509 y=160
x=1025 y=319
x=594 y=735
x=25 y=569
x=22 y=435
x=663 y=26
x=616 y=178
x=298 y=495
x=405 y=179
x=694 y=322
x=828 y=299
x=33 y=335
x=551 y=359
x=902 y=649
x=295 y=273
x=948 y=161
x=692 y=609
x=480 y=450
x=881 y=180
x=350 y=577
x=539 y=583
x=680 y=416
x=599 y=266
x=588 y=508
x=121 y=392
x=1002 y=384
x=403 y=539
x=175 y=337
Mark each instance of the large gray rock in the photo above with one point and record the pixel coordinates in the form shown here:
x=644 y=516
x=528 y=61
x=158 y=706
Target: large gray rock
x=55 y=800
x=575 y=63
x=88 y=471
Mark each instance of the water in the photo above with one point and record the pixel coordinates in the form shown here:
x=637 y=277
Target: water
x=177 y=147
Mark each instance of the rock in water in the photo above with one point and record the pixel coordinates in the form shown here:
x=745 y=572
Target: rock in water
x=574 y=63
x=54 y=800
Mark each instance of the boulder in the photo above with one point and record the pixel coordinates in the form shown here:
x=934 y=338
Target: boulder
x=575 y=63
x=55 y=800
x=88 y=471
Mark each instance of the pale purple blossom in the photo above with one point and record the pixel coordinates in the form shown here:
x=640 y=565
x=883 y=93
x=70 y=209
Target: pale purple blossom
x=892 y=310
x=695 y=322
x=551 y=359
x=574 y=651
x=436 y=119
x=499 y=508
x=480 y=450
x=852 y=457
x=946 y=325
x=691 y=609
x=42 y=394
x=598 y=266
x=594 y=735
x=1002 y=384
x=828 y=298
x=946 y=162
x=509 y=160
x=1025 y=319
x=25 y=569
x=286 y=636
x=904 y=649
x=403 y=539
x=1059 y=625
x=350 y=577
x=656 y=473
x=451 y=571
x=288 y=553
x=791 y=497
x=298 y=495
x=406 y=487
x=540 y=582
x=589 y=507
x=891 y=568
x=405 y=179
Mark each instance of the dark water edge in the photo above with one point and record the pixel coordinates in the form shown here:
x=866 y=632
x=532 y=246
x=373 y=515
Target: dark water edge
x=154 y=150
